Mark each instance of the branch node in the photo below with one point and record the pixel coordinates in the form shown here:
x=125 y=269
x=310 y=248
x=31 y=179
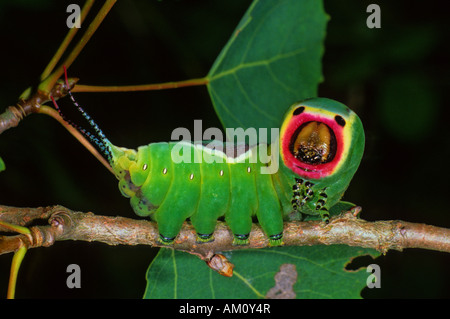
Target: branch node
x=61 y=221
x=38 y=238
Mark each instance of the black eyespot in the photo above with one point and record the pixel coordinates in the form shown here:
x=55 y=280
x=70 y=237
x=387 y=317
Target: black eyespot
x=298 y=110
x=339 y=120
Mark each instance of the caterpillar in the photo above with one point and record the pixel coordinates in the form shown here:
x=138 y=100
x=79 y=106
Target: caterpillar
x=319 y=149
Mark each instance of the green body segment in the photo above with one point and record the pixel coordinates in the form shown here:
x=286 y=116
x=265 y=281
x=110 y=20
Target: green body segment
x=214 y=198
x=203 y=187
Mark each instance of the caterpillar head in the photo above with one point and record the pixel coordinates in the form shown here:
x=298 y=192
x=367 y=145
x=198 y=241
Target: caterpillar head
x=322 y=140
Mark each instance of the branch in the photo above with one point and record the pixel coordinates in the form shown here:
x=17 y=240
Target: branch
x=348 y=229
x=31 y=103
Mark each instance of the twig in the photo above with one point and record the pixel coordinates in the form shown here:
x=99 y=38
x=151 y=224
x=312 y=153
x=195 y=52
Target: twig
x=142 y=87
x=32 y=104
x=65 y=224
x=32 y=99
x=69 y=37
x=50 y=81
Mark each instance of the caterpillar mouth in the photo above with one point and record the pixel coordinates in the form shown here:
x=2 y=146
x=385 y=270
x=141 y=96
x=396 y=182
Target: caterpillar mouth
x=313 y=143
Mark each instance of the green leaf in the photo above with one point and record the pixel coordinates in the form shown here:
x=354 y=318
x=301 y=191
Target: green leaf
x=272 y=60
x=2 y=165
x=320 y=273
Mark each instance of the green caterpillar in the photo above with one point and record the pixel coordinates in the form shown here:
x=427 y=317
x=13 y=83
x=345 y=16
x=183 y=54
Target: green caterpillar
x=321 y=143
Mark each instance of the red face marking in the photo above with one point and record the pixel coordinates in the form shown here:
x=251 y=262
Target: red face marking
x=307 y=170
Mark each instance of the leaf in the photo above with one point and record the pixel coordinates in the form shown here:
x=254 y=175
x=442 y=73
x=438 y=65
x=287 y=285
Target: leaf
x=272 y=60
x=2 y=165
x=320 y=273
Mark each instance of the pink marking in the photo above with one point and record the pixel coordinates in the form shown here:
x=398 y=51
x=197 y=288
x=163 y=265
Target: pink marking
x=307 y=170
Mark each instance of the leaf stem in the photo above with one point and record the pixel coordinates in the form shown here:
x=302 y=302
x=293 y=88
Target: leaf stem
x=141 y=87
x=69 y=37
x=50 y=81
x=15 y=228
x=15 y=265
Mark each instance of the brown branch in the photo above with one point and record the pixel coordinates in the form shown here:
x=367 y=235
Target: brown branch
x=348 y=229
x=32 y=104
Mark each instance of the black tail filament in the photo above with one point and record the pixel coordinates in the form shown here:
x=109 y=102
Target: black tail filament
x=99 y=139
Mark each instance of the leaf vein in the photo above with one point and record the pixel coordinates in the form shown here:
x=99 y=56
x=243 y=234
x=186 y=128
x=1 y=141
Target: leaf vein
x=266 y=62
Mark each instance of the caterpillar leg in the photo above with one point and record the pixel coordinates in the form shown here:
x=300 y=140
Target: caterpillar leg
x=170 y=219
x=276 y=240
x=169 y=225
x=241 y=239
x=240 y=223
x=205 y=238
x=204 y=227
x=325 y=215
x=239 y=219
x=322 y=207
x=180 y=201
x=213 y=202
x=269 y=210
x=243 y=201
x=166 y=240
x=302 y=193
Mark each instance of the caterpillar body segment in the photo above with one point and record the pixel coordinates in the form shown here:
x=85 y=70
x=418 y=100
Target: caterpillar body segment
x=209 y=185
